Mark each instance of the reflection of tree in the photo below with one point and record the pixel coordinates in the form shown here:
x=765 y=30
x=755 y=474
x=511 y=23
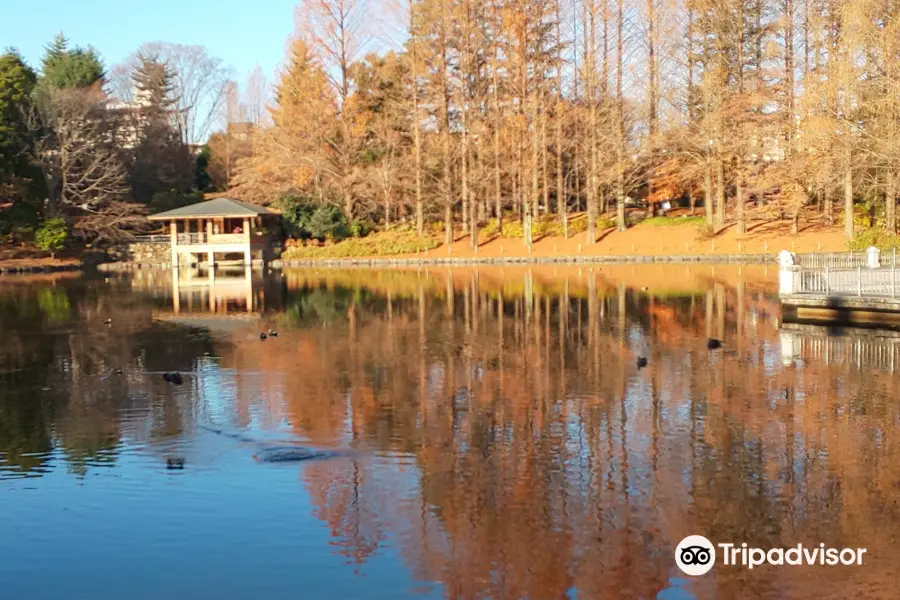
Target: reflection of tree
x=546 y=461
x=511 y=447
x=24 y=425
x=53 y=303
x=60 y=385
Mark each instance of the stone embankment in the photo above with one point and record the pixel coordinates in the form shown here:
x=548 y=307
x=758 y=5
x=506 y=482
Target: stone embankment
x=527 y=260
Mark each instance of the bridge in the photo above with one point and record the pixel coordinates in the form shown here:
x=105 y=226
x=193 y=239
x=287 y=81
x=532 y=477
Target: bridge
x=854 y=288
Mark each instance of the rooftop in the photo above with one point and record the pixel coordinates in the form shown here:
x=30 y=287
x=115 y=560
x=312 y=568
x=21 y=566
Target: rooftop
x=220 y=207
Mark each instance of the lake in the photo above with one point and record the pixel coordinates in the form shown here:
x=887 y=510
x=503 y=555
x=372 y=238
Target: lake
x=492 y=433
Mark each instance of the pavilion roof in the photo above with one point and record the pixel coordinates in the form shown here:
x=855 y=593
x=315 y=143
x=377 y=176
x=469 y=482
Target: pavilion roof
x=220 y=207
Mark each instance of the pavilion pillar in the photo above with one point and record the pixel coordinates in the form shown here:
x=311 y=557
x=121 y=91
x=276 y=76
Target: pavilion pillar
x=210 y=256
x=173 y=232
x=248 y=259
x=176 y=293
x=248 y=282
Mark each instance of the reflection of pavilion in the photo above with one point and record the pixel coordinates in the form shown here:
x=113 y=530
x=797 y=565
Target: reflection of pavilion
x=214 y=298
x=216 y=292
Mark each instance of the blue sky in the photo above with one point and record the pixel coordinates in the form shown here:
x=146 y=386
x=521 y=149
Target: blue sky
x=243 y=33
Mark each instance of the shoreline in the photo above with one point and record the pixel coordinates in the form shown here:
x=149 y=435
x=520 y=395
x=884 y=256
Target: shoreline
x=33 y=269
x=338 y=263
x=755 y=259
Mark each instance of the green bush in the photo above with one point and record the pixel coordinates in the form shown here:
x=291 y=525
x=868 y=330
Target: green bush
x=307 y=220
x=51 y=235
x=874 y=236
x=547 y=226
x=605 y=222
x=670 y=221
x=20 y=220
x=383 y=244
x=577 y=226
x=360 y=229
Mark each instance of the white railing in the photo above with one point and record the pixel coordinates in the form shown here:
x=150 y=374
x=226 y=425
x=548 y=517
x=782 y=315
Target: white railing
x=188 y=239
x=866 y=274
x=832 y=260
x=153 y=239
x=859 y=282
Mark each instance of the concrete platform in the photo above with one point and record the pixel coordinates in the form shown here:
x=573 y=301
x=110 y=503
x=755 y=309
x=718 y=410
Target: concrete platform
x=848 y=310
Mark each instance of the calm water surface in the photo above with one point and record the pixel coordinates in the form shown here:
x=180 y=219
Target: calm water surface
x=496 y=437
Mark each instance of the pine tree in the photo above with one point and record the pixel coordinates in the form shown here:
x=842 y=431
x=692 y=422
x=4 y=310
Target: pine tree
x=63 y=68
x=162 y=162
x=153 y=84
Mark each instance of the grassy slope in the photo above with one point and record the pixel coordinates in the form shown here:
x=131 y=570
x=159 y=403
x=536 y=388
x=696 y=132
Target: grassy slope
x=654 y=237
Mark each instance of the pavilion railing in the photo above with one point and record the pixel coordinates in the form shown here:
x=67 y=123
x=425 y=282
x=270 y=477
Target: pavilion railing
x=152 y=239
x=187 y=239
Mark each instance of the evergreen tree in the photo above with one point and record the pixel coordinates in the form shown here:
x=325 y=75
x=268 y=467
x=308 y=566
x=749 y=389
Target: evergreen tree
x=162 y=163
x=63 y=68
x=153 y=83
x=17 y=81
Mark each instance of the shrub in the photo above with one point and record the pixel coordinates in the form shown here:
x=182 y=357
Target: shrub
x=20 y=220
x=382 y=244
x=670 y=221
x=577 y=226
x=308 y=220
x=360 y=229
x=51 y=235
x=874 y=236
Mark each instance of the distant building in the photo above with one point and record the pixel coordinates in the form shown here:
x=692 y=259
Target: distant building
x=130 y=117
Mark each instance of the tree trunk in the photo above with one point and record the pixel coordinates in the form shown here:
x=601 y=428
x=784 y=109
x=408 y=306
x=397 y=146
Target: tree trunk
x=544 y=174
x=720 y=193
x=620 y=106
x=417 y=134
x=829 y=205
x=739 y=193
x=535 y=169
x=498 y=199
x=651 y=59
x=465 y=177
x=590 y=66
x=890 y=207
x=848 y=196
x=448 y=225
x=561 y=204
x=708 y=191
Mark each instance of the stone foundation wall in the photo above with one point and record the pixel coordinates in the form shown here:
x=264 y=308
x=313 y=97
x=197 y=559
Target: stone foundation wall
x=149 y=253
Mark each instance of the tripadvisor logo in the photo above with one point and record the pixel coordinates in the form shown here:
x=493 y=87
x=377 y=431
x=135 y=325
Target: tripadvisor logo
x=696 y=555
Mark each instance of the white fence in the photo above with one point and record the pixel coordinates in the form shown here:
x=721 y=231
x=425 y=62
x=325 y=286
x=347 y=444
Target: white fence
x=859 y=282
x=836 y=260
x=859 y=274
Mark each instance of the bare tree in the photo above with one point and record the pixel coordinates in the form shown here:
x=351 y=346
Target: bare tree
x=81 y=165
x=200 y=81
x=256 y=97
x=110 y=222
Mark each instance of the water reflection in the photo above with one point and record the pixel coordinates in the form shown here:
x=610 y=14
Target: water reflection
x=512 y=448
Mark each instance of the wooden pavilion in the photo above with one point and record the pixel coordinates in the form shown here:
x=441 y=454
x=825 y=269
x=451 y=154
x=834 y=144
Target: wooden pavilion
x=221 y=226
